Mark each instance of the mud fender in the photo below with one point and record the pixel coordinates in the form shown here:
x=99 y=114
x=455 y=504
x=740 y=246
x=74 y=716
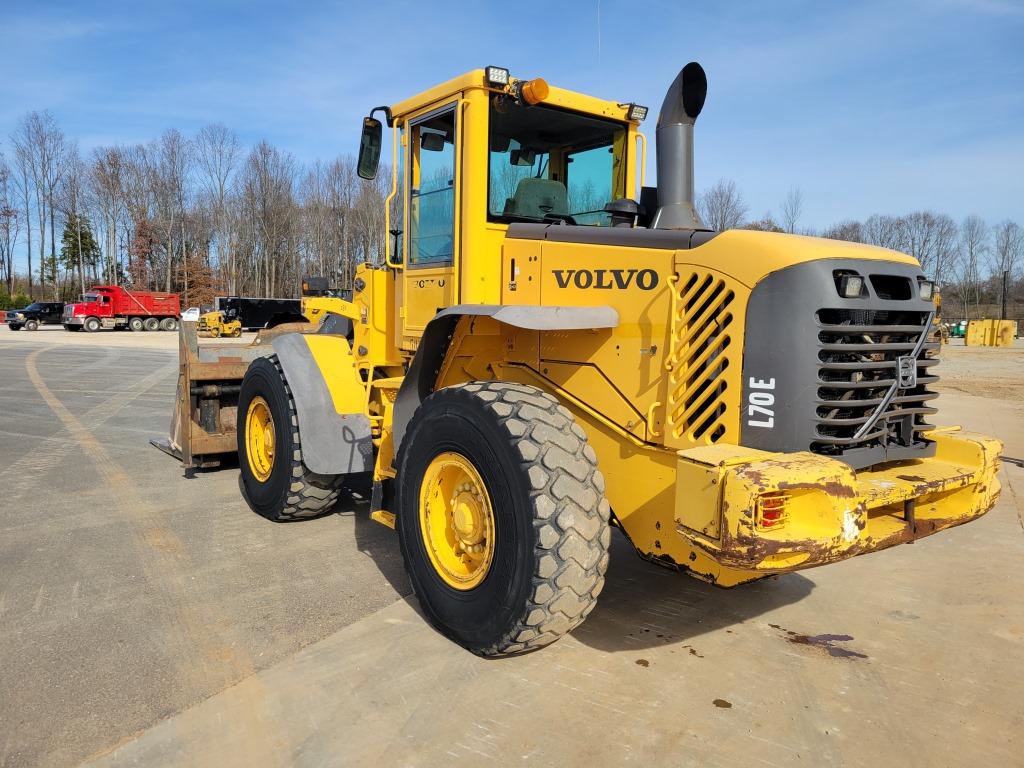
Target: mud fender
x=329 y=400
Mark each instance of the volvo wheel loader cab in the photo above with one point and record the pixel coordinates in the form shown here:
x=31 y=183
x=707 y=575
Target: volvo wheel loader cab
x=549 y=349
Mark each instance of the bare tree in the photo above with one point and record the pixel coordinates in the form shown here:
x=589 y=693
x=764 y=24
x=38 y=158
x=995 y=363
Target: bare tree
x=885 y=232
x=851 y=231
x=966 y=269
x=722 y=207
x=792 y=208
x=71 y=201
x=106 y=183
x=931 y=238
x=10 y=224
x=217 y=152
x=267 y=185
x=41 y=145
x=1008 y=250
x=170 y=167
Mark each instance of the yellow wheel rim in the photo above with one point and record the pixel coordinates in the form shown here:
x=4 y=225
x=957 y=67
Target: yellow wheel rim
x=259 y=438
x=457 y=521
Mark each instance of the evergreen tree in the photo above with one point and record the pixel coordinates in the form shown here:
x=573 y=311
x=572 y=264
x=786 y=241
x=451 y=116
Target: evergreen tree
x=79 y=251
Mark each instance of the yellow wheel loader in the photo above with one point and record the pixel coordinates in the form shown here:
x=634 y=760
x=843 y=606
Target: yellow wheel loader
x=551 y=349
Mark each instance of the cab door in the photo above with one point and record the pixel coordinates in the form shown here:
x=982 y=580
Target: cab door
x=431 y=231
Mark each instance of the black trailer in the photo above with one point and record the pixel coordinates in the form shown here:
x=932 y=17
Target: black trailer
x=261 y=312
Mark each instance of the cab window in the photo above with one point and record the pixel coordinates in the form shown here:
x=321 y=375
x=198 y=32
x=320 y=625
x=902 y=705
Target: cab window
x=432 y=191
x=549 y=164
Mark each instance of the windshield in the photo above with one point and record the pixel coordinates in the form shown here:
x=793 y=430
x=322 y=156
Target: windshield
x=35 y=307
x=551 y=164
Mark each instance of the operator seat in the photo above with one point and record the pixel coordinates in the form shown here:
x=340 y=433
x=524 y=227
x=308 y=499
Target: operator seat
x=537 y=198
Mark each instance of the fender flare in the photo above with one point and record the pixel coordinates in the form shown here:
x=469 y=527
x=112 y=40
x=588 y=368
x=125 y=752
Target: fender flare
x=426 y=363
x=334 y=428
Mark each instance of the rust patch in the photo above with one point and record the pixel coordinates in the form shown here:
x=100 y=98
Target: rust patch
x=722 y=704
x=643 y=663
x=911 y=478
x=826 y=643
x=831 y=487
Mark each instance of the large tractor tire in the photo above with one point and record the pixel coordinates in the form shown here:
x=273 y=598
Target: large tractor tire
x=502 y=518
x=277 y=484
x=136 y=324
x=91 y=324
x=31 y=324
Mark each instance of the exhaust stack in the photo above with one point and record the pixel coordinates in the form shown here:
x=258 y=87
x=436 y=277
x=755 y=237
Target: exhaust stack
x=674 y=137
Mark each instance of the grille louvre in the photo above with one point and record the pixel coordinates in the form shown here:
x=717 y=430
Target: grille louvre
x=702 y=351
x=858 y=364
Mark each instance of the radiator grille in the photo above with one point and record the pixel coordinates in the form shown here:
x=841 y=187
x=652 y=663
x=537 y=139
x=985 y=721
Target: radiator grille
x=702 y=405
x=858 y=362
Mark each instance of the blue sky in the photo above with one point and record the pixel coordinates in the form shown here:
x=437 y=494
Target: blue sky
x=868 y=107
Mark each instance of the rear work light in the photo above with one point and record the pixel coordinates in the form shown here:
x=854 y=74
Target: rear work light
x=496 y=75
x=771 y=510
x=637 y=113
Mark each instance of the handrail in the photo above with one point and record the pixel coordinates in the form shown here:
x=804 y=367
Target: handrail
x=389 y=198
x=643 y=160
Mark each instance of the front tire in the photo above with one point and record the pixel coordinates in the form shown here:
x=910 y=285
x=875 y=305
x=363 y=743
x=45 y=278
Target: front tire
x=91 y=324
x=545 y=561
x=277 y=484
x=31 y=325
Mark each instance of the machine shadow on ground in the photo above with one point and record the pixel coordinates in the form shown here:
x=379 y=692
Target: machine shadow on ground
x=642 y=606
x=645 y=605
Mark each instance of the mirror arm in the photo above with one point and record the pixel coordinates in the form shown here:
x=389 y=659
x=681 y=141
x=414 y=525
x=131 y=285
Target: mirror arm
x=388 y=117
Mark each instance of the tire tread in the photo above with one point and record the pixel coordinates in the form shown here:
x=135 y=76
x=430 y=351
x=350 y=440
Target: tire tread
x=571 y=515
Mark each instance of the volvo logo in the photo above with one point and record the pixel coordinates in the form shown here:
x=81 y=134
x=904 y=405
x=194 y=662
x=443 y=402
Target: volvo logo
x=907 y=367
x=606 y=279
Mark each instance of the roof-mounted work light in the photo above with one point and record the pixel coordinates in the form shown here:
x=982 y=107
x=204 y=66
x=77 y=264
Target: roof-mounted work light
x=496 y=76
x=637 y=113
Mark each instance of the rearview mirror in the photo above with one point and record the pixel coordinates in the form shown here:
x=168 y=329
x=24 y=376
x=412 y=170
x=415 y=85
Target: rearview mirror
x=522 y=156
x=369 y=148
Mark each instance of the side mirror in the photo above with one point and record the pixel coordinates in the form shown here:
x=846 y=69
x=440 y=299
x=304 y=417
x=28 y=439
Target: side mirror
x=369 y=148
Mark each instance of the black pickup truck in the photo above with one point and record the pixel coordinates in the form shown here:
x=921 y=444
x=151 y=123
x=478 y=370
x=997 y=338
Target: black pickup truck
x=35 y=314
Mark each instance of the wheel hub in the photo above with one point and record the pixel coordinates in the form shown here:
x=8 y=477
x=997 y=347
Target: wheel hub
x=259 y=439
x=457 y=521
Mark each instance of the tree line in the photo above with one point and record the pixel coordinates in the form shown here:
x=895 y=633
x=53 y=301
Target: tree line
x=198 y=215
x=968 y=259
x=202 y=216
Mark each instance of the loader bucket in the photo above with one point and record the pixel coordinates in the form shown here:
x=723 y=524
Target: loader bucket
x=204 y=422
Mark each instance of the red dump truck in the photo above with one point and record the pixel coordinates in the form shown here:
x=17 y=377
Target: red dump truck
x=111 y=306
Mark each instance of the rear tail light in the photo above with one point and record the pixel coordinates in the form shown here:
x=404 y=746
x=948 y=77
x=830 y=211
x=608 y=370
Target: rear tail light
x=771 y=510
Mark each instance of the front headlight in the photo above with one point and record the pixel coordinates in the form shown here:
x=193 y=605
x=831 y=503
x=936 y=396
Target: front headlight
x=20 y=316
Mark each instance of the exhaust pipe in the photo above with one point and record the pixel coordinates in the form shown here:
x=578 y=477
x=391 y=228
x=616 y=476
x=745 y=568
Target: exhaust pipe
x=674 y=137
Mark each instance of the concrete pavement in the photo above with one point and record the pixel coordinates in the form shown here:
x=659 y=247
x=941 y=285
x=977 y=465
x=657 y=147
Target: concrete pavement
x=149 y=620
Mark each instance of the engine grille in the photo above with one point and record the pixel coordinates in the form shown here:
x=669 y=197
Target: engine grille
x=700 y=400
x=859 y=355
